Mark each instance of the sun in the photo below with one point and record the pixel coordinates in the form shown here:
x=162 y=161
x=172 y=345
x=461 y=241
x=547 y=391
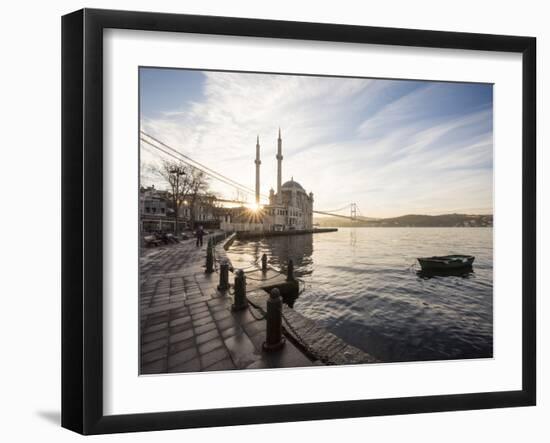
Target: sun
x=254 y=207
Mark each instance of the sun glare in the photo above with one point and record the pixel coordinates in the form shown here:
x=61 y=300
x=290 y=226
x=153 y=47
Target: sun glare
x=254 y=207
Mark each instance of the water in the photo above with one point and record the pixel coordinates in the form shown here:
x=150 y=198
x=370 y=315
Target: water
x=360 y=285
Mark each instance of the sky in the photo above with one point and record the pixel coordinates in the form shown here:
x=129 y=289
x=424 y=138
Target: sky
x=393 y=147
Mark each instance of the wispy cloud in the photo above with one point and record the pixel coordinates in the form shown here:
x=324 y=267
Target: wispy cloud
x=393 y=147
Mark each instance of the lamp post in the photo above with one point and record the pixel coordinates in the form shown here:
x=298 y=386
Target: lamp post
x=177 y=171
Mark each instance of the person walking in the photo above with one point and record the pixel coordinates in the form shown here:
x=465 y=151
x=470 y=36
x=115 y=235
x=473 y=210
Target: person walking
x=199 y=234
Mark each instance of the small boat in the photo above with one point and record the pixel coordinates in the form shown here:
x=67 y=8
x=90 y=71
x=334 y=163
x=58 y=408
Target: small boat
x=446 y=262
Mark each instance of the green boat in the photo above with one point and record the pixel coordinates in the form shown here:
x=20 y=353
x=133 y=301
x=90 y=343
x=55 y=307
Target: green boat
x=446 y=262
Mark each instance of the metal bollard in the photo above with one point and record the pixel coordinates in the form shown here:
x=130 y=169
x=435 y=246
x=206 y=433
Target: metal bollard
x=209 y=258
x=224 y=276
x=290 y=271
x=274 y=339
x=264 y=263
x=239 y=299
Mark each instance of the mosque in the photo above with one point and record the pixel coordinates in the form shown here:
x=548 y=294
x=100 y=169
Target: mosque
x=289 y=208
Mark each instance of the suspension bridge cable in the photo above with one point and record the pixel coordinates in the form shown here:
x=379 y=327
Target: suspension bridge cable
x=219 y=177
x=239 y=187
x=335 y=210
x=196 y=162
x=210 y=172
x=359 y=211
x=200 y=167
x=195 y=167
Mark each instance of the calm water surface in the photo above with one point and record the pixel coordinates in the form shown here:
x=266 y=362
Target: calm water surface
x=359 y=284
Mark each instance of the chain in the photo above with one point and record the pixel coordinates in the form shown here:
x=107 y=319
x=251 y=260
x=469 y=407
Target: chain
x=262 y=279
x=254 y=265
x=249 y=267
x=289 y=329
x=262 y=316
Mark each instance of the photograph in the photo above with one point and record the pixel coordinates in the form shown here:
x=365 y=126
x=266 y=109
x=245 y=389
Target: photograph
x=269 y=222
x=296 y=220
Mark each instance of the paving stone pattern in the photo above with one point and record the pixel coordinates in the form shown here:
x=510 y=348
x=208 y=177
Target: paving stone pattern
x=187 y=324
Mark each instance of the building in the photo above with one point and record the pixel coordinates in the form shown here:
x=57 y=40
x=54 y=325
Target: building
x=153 y=210
x=157 y=211
x=203 y=213
x=290 y=207
x=152 y=202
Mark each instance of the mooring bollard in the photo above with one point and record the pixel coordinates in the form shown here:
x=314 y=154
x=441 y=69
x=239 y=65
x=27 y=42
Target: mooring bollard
x=274 y=339
x=239 y=299
x=264 y=263
x=224 y=276
x=209 y=258
x=290 y=271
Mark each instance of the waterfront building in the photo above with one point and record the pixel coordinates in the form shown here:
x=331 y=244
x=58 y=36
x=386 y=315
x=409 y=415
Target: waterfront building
x=290 y=208
x=202 y=211
x=153 y=210
x=157 y=211
x=152 y=202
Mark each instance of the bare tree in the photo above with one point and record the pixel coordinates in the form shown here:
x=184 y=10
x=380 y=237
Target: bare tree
x=198 y=186
x=184 y=183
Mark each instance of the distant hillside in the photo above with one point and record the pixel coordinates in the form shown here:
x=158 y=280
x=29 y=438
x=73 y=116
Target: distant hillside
x=413 y=221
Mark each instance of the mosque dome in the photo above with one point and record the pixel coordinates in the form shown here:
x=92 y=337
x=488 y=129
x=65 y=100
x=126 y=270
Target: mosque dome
x=291 y=184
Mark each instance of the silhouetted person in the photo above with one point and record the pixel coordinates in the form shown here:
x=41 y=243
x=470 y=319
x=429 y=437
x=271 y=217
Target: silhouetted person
x=199 y=234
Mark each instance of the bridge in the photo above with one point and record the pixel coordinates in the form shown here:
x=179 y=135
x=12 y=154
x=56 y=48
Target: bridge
x=354 y=213
x=353 y=209
x=169 y=151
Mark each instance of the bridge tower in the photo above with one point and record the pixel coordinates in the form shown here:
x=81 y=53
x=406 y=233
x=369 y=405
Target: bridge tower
x=353 y=211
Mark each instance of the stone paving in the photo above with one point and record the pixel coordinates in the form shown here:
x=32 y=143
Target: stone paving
x=187 y=325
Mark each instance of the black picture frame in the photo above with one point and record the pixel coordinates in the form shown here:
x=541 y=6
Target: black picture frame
x=82 y=218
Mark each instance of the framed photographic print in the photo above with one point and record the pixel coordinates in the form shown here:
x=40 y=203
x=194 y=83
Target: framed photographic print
x=269 y=221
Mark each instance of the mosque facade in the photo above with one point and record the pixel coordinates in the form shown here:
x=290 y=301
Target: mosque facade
x=290 y=206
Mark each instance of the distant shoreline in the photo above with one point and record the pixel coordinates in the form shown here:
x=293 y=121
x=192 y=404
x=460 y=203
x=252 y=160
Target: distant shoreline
x=416 y=227
x=411 y=221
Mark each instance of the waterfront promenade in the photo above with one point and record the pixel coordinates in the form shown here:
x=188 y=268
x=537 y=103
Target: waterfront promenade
x=187 y=324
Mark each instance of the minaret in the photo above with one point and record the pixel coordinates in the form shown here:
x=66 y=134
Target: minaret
x=279 y=158
x=258 y=163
